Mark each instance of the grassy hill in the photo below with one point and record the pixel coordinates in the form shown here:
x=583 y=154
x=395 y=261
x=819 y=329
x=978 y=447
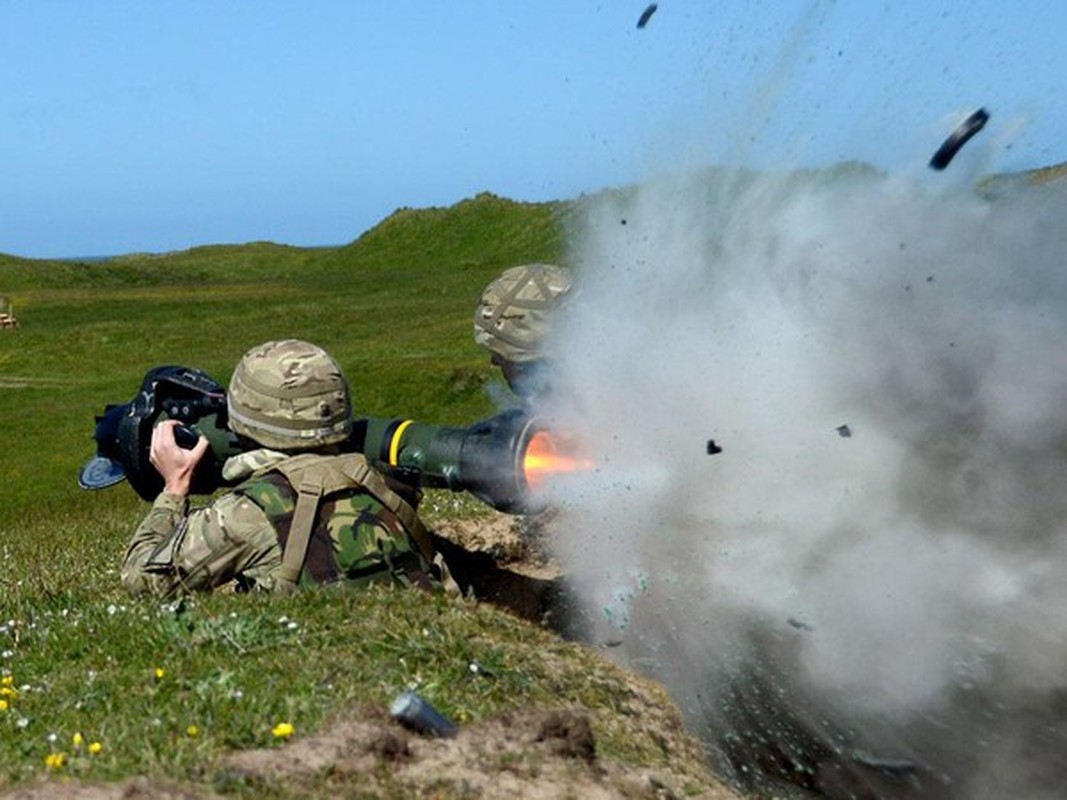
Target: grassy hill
x=99 y=687
x=394 y=307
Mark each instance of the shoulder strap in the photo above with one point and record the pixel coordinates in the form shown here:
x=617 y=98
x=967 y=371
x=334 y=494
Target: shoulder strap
x=296 y=546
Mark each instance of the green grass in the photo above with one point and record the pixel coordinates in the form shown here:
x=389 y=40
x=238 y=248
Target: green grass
x=80 y=656
x=164 y=687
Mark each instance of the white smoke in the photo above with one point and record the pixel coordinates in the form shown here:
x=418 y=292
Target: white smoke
x=877 y=558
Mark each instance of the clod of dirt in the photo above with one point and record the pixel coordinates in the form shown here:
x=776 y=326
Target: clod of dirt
x=390 y=747
x=569 y=734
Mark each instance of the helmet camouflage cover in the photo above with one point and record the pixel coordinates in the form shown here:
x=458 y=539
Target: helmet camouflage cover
x=289 y=395
x=513 y=318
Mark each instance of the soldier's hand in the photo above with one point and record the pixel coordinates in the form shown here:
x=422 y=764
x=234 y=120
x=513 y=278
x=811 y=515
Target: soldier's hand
x=174 y=463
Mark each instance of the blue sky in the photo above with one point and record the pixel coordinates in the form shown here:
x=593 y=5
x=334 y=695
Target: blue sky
x=150 y=126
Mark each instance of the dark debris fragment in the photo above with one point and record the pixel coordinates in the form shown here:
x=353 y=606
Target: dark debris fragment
x=713 y=448
x=646 y=15
x=958 y=138
x=844 y=431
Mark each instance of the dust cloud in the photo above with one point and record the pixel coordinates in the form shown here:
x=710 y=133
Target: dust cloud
x=865 y=592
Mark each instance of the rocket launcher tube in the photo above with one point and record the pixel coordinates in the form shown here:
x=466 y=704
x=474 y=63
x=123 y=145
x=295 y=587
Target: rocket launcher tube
x=486 y=459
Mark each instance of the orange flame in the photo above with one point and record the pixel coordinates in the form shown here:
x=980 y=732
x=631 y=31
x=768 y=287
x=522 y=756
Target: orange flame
x=547 y=456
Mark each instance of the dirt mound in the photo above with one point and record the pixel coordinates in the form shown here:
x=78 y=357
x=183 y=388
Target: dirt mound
x=540 y=755
x=507 y=561
x=536 y=754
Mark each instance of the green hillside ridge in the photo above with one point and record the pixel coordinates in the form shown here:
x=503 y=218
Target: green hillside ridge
x=479 y=230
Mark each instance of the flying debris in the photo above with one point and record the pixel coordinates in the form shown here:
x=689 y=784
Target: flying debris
x=646 y=15
x=844 y=431
x=713 y=448
x=959 y=137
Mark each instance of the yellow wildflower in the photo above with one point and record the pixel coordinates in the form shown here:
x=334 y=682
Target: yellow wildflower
x=77 y=739
x=7 y=691
x=55 y=760
x=4 y=705
x=192 y=730
x=160 y=672
x=95 y=748
x=283 y=730
x=7 y=680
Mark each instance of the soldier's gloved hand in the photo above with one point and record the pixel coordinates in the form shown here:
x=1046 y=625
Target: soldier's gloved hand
x=175 y=464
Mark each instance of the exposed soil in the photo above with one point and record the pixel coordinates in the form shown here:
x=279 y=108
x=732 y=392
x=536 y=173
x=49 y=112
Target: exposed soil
x=538 y=755
x=507 y=561
x=132 y=789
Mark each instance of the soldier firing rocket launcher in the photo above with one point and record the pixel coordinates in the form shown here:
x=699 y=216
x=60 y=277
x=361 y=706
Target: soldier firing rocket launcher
x=503 y=460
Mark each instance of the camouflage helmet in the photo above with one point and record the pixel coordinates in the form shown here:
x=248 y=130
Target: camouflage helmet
x=289 y=395
x=513 y=318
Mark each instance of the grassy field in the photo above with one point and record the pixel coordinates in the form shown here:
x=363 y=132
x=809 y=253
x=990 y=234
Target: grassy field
x=100 y=686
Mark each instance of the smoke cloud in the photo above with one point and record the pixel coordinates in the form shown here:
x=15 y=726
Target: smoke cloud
x=865 y=592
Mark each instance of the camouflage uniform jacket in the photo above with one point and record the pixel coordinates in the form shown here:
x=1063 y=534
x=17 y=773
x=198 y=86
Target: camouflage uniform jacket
x=241 y=536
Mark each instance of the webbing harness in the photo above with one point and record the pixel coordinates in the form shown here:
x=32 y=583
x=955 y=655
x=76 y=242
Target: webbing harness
x=313 y=476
